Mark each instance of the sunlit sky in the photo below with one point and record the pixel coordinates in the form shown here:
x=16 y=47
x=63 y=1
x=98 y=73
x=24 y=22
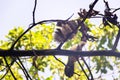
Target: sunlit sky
x=14 y=13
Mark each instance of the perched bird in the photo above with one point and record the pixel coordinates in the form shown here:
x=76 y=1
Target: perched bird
x=69 y=69
x=66 y=31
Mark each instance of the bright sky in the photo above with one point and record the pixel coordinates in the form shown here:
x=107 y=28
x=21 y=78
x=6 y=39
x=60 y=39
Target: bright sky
x=19 y=12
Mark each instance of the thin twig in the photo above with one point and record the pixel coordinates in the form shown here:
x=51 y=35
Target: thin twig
x=4 y=75
x=59 y=60
x=24 y=68
x=64 y=64
x=41 y=22
x=116 y=41
x=34 y=11
x=70 y=17
x=9 y=68
x=88 y=68
x=116 y=10
x=83 y=69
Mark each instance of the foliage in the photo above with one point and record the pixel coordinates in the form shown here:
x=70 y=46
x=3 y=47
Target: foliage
x=38 y=38
x=41 y=37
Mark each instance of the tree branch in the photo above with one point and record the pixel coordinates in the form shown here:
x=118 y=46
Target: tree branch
x=64 y=64
x=9 y=68
x=23 y=68
x=4 y=75
x=41 y=22
x=83 y=69
x=116 y=41
x=47 y=52
x=34 y=12
x=88 y=68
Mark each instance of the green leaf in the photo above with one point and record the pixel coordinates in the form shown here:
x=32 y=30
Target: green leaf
x=49 y=78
